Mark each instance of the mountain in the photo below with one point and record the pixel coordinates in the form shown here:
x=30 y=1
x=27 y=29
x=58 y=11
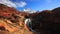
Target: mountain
x=12 y=21
x=46 y=22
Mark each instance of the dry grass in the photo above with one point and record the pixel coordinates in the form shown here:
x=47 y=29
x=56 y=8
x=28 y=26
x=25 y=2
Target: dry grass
x=10 y=28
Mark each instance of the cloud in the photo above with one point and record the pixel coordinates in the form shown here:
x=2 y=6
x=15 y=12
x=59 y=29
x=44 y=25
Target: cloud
x=8 y=3
x=13 y=4
x=21 y=4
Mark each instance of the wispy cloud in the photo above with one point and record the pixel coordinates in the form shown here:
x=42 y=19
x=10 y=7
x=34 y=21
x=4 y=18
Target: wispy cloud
x=8 y=3
x=21 y=4
x=13 y=4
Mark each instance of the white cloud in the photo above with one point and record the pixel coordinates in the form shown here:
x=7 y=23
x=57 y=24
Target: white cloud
x=12 y=4
x=8 y=3
x=21 y=4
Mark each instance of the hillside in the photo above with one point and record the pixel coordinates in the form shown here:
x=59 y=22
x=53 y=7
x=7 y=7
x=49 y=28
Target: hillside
x=12 y=21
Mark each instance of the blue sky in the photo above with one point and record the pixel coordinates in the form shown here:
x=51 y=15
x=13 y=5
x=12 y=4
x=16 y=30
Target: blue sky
x=35 y=4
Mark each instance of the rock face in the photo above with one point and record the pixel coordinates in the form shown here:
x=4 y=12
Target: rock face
x=46 y=22
x=12 y=21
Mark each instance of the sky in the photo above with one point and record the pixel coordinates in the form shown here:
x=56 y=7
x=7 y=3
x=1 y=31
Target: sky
x=32 y=4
